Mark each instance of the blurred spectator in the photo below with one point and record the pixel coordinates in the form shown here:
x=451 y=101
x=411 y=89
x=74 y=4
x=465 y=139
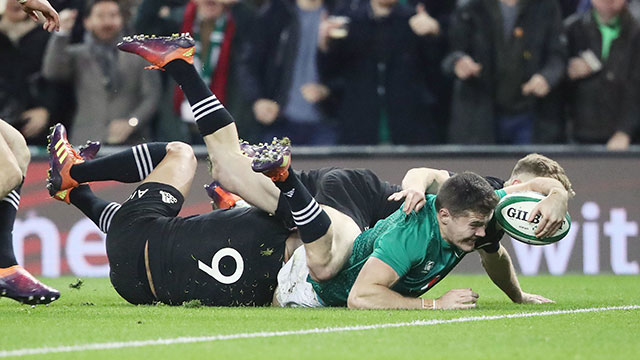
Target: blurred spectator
x=219 y=28
x=115 y=96
x=507 y=56
x=604 y=50
x=22 y=89
x=279 y=75
x=382 y=53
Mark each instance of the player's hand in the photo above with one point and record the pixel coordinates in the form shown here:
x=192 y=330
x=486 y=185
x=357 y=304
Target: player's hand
x=465 y=68
x=36 y=120
x=266 y=111
x=68 y=19
x=457 y=299
x=578 y=69
x=534 y=299
x=314 y=93
x=537 y=86
x=414 y=200
x=422 y=23
x=52 y=20
x=619 y=141
x=551 y=211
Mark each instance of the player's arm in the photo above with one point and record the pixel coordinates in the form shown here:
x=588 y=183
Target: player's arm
x=372 y=290
x=416 y=183
x=552 y=208
x=500 y=269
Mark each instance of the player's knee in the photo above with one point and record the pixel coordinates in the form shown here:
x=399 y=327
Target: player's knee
x=20 y=151
x=182 y=150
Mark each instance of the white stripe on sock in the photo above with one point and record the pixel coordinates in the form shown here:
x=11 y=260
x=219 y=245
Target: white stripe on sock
x=103 y=215
x=306 y=215
x=195 y=106
x=205 y=107
x=137 y=158
x=13 y=198
x=313 y=217
x=303 y=211
x=143 y=161
x=209 y=112
x=149 y=160
x=115 y=210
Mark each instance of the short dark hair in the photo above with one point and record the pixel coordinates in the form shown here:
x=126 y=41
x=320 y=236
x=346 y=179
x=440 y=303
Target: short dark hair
x=466 y=193
x=91 y=3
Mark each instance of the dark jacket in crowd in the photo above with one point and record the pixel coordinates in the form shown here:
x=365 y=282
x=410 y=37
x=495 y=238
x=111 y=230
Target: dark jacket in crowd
x=537 y=45
x=21 y=84
x=606 y=101
x=382 y=67
x=269 y=56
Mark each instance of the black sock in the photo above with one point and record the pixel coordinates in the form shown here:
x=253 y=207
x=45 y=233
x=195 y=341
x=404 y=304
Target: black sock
x=311 y=220
x=127 y=166
x=209 y=113
x=96 y=209
x=8 y=210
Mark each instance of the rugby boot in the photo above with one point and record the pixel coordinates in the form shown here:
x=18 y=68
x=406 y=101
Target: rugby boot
x=221 y=198
x=273 y=159
x=89 y=150
x=18 y=284
x=160 y=50
x=62 y=157
x=249 y=150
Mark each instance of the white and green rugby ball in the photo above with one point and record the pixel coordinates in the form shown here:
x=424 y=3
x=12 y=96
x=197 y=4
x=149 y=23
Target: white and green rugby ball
x=512 y=213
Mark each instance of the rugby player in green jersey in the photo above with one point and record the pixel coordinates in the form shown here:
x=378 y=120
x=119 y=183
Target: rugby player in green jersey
x=328 y=232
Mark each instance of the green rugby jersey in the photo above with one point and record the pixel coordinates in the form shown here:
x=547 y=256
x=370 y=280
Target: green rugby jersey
x=410 y=244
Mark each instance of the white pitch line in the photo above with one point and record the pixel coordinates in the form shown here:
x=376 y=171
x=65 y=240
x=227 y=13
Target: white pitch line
x=187 y=340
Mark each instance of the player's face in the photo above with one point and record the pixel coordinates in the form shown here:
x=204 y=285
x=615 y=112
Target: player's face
x=104 y=21
x=463 y=231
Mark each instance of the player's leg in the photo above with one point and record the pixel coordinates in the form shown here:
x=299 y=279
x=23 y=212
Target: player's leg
x=229 y=166
x=68 y=169
x=15 y=281
x=327 y=234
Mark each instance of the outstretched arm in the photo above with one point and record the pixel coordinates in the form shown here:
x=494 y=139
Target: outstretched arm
x=500 y=269
x=372 y=290
x=52 y=21
x=415 y=184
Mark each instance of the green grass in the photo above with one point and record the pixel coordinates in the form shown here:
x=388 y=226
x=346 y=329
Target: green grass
x=95 y=314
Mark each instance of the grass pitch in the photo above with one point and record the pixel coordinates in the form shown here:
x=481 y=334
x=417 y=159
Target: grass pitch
x=94 y=314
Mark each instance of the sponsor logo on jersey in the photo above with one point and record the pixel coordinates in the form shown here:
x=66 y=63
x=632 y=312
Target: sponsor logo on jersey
x=290 y=193
x=168 y=198
x=138 y=194
x=428 y=267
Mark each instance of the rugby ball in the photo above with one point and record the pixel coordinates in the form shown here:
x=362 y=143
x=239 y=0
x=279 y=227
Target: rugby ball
x=512 y=213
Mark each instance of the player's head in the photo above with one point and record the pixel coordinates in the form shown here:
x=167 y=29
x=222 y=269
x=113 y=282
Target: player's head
x=536 y=165
x=104 y=19
x=465 y=204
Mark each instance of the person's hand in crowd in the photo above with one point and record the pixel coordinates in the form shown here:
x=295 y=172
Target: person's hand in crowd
x=266 y=111
x=466 y=67
x=36 y=121
x=537 y=86
x=331 y=27
x=619 y=141
x=51 y=17
x=68 y=19
x=314 y=93
x=119 y=131
x=578 y=69
x=422 y=23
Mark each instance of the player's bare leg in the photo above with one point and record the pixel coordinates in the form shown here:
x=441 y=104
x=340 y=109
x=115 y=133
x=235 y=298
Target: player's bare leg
x=15 y=282
x=327 y=234
x=229 y=166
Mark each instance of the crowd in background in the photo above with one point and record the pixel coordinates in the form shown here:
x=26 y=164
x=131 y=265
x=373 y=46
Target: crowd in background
x=327 y=72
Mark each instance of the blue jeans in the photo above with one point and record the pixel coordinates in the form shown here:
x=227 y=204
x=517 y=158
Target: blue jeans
x=515 y=129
